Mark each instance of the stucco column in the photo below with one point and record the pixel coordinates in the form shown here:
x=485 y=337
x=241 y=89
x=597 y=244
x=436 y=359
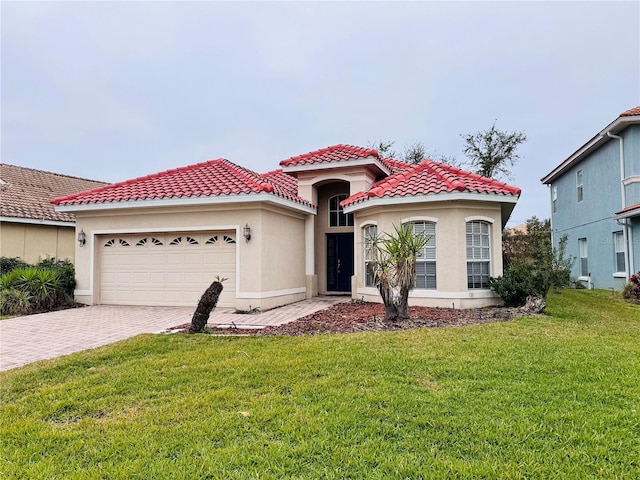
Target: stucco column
x=309 y=260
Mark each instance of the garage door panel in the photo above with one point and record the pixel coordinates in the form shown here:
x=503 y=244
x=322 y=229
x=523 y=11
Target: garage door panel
x=145 y=269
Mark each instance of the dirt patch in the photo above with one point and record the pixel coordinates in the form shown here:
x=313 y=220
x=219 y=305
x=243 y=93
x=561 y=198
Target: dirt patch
x=357 y=316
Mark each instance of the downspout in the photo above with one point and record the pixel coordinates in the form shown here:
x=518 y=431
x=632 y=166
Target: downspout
x=623 y=197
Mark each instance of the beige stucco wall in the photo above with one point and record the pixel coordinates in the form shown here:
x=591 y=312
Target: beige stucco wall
x=270 y=267
x=451 y=261
x=34 y=243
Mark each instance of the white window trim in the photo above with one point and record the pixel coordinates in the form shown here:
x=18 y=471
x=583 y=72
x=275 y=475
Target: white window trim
x=580 y=186
x=340 y=211
x=621 y=273
x=583 y=241
x=478 y=218
x=424 y=219
x=420 y=218
x=364 y=255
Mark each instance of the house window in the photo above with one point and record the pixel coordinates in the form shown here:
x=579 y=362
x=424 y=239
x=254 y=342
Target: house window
x=618 y=241
x=337 y=218
x=579 y=185
x=584 y=262
x=369 y=233
x=426 y=263
x=478 y=254
x=554 y=198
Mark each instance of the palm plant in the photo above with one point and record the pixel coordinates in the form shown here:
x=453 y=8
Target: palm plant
x=39 y=285
x=394 y=257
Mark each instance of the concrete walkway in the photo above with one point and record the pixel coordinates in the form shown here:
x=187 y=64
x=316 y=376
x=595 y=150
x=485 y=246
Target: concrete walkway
x=48 y=335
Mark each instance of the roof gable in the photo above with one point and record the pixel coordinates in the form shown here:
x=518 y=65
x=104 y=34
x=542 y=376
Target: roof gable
x=623 y=121
x=333 y=154
x=26 y=193
x=215 y=178
x=431 y=178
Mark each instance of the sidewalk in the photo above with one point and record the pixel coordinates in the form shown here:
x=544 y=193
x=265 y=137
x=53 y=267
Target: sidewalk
x=48 y=335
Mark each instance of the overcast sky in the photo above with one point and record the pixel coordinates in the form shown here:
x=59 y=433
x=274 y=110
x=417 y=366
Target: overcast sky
x=116 y=90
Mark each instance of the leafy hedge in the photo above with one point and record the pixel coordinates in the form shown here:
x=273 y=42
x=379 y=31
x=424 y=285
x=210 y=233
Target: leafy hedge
x=631 y=290
x=532 y=264
x=45 y=286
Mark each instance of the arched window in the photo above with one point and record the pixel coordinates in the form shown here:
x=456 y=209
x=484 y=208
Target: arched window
x=478 y=254
x=337 y=218
x=426 y=264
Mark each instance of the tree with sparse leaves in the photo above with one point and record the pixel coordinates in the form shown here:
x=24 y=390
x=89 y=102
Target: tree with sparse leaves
x=412 y=154
x=492 y=151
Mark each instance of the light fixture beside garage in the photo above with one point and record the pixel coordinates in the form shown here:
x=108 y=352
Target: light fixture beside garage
x=247 y=232
x=82 y=238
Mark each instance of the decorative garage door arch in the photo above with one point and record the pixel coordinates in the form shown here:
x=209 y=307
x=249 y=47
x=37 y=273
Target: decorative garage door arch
x=170 y=269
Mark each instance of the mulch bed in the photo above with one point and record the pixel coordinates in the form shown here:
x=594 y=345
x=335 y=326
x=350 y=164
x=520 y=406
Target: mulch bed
x=357 y=316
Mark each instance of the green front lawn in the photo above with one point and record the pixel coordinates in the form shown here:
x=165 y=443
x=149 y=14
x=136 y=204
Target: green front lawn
x=551 y=397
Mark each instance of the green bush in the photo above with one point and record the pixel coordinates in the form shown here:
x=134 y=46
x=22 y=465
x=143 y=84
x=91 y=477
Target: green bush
x=11 y=263
x=46 y=286
x=66 y=274
x=631 y=290
x=14 y=302
x=518 y=282
x=532 y=266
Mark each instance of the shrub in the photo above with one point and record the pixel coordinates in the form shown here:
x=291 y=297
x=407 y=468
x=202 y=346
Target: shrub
x=11 y=263
x=45 y=287
x=39 y=285
x=631 y=290
x=532 y=265
x=66 y=275
x=14 y=302
x=517 y=283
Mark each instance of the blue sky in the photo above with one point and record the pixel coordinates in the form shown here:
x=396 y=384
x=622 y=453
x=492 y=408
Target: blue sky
x=115 y=90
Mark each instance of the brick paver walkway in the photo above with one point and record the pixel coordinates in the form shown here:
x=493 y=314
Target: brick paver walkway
x=47 y=335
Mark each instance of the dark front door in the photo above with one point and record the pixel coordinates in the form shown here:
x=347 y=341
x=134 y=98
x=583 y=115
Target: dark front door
x=339 y=262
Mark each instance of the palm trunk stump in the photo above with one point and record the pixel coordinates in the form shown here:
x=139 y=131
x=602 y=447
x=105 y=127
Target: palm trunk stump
x=206 y=305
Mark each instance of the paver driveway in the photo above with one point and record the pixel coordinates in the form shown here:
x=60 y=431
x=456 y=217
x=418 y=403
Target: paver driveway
x=47 y=335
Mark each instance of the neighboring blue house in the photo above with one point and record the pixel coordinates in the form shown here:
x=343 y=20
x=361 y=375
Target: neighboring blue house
x=595 y=200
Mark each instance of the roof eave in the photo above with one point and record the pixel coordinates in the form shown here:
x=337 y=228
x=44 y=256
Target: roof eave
x=617 y=126
x=433 y=197
x=363 y=161
x=37 y=221
x=189 y=201
x=627 y=214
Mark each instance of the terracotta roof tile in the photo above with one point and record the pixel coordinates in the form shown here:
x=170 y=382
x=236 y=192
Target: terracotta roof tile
x=27 y=192
x=631 y=112
x=336 y=153
x=630 y=208
x=284 y=184
x=429 y=178
x=208 y=179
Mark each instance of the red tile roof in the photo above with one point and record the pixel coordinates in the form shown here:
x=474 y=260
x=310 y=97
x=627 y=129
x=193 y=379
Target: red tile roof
x=631 y=112
x=336 y=153
x=284 y=185
x=630 y=208
x=429 y=178
x=208 y=179
x=27 y=193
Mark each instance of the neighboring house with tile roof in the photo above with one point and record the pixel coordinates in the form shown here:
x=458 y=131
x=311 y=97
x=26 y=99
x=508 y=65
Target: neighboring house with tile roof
x=30 y=227
x=288 y=234
x=595 y=200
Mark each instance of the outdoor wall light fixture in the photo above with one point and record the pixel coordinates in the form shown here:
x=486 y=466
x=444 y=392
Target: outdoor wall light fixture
x=247 y=232
x=82 y=238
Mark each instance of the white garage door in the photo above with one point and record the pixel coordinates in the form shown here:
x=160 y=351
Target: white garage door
x=170 y=269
